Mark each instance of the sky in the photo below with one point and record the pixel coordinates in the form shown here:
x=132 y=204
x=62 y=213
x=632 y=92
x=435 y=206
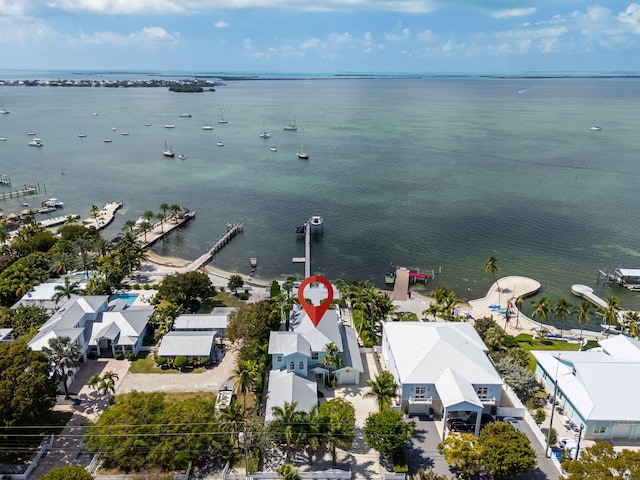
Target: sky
x=321 y=36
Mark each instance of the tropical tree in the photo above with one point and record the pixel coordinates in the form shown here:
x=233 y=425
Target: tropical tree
x=386 y=431
x=64 y=356
x=462 y=451
x=429 y=475
x=541 y=308
x=288 y=472
x=283 y=303
x=632 y=322
x=235 y=282
x=286 y=426
x=505 y=451
x=314 y=432
x=384 y=388
x=232 y=419
x=332 y=360
x=602 y=462
x=95 y=212
x=585 y=310
x=433 y=311
x=245 y=377
x=492 y=266
x=129 y=225
x=67 y=472
x=105 y=383
x=67 y=290
x=610 y=311
x=339 y=415
x=561 y=310
x=175 y=210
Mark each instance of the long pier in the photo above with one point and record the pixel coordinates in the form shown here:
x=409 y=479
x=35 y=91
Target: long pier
x=27 y=190
x=52 y=222
x=161 y=229
x=232 y=230
x=105 y=216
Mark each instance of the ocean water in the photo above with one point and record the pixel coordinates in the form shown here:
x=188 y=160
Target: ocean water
x=425 y=172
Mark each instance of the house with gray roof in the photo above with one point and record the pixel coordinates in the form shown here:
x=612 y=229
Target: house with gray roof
x=597 y=389
x=195 y=343
x=440 y=368
x=285 y=387
x=302 y=349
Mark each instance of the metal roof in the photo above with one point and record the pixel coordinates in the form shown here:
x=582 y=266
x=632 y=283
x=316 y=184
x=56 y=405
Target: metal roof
x=288 y=387
x=188 y=344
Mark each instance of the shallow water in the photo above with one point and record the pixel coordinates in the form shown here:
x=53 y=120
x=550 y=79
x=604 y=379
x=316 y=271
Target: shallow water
x=424 y=173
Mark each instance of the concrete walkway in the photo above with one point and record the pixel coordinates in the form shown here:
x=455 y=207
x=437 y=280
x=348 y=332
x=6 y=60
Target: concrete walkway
x=86 y=404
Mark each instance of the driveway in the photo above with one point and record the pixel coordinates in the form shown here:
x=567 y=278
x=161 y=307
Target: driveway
x=422 y=449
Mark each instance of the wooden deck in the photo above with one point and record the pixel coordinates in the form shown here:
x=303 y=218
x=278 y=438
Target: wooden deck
x=161 y=229
x=27 y=190
x=232 y=230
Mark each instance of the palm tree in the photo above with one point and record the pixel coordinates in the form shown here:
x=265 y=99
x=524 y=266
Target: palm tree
x=610 y=312
x=433 y=310
x=64 y=356
x=129 y=225
x=232 y=419
x=145 y=226
x=160 y=217
x=286 y=423
x=332 y=360
x=4 y=232
x=95 y=212
x=632 y=322
x=175 y=210
x=235 y=282
x=104 y=384
x=245 y=376
x=492 y=266
x=541 y=308
x=584 y=312
x=288 y=472
x=384 y=388
x=67 y=290
x=283 y=303
x=561 y=310
x=164 y=208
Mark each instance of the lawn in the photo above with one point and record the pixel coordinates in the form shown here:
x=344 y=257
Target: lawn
x=220 y=299
x=407 y=316
x=528 y=343
x=144 y=364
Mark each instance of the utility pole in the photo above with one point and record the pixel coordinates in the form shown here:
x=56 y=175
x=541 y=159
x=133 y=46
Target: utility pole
x=242 y=438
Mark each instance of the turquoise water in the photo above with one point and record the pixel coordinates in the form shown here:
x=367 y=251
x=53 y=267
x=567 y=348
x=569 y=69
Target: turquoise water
x=129 y=297
x=433 y=172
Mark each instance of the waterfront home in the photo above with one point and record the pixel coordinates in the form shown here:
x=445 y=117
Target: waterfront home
x=597 y=390
x=303 y=348
x=441 y=369
x=43 y=295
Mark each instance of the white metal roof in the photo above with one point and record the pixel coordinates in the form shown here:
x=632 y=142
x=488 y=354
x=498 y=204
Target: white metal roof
x=288 y=387
x=423 y=351
x=288 y=343
x=189 y=344
x=628 y=272
x=200 y=322
x=602 y=386
x=327 y=330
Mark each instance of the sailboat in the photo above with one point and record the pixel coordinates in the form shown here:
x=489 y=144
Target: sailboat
x=222 y=119
x=302 y=155
x=168 y=152
x=290 y=126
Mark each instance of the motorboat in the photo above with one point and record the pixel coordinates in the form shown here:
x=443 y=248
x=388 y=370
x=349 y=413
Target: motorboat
x=3 y=139
x=273 y=149
x=168 y=152
x=315 y=221
x=82 y=135
x=124 y=133
x=207 y=127
x=4 y=111
x=107 y=140
x=147 y=124
x=220 y=144
x=45 y=209
x=24 y=204
x=182 y=156
x=54 y=202
x=169 y=125
x=265 y=135
x=596 y=128
x=36 y=142
x=390 y=278
x=185 y=115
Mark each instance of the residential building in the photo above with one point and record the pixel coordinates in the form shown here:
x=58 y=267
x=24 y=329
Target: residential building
x=441 y=368
x=596 y=389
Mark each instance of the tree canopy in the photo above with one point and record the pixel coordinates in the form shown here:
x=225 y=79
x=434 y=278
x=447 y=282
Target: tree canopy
x=68 y=472
x=602 y=462
x=184 y=288
x=385 y=431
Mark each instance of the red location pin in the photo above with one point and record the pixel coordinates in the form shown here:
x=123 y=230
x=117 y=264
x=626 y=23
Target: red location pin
x=315 y=313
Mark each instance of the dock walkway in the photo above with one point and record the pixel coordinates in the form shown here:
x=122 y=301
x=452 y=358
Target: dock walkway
x=52 y=222
x=105 y=216
x=27 y=190
x=161 y=229
x=232 y=230
x=586 y=292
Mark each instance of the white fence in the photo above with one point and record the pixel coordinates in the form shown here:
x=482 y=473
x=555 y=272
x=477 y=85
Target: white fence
x=44 y=448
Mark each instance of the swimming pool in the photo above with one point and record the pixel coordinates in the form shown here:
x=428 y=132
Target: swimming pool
x=129 y=297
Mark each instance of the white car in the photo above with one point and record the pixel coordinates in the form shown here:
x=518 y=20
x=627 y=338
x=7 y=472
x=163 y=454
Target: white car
x=567 y=444
x=512 y=421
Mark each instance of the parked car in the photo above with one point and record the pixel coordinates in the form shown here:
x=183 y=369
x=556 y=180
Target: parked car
x=566 y=443
x=512 y=421
x=484 y=419
x=457 y=425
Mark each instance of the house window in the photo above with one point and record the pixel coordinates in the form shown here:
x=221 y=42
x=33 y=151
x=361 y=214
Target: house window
x=420 y=392
x=482 y=392
x=314 y=355
x=292 y=365
x=599 y=429
x=278 y=358
x=300 y=365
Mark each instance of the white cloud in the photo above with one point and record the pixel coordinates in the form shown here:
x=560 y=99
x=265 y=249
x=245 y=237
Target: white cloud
x=631 y=18
x=404 y=35
x=427 y=36
x=514 y=12
x=221 y=24
x=339 y=38
x=147 y=37
x=310 y=43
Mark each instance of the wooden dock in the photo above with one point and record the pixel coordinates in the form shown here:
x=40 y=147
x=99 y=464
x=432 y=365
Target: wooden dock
x=232 y=230
x=27 y=190
x=161 y=229
x=52 y=222
x=105 y=216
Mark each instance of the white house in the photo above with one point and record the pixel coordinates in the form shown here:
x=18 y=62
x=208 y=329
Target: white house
x=440 y=368
x=598 y=390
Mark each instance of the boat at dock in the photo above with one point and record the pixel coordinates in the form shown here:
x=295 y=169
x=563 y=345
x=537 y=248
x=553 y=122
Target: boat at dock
x=628 y=277
x=390 y=278
x=54 y=202
x=316 y=221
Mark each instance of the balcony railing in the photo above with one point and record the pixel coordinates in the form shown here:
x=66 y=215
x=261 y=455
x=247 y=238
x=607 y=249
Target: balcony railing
x=488 y=401
x=421 y=400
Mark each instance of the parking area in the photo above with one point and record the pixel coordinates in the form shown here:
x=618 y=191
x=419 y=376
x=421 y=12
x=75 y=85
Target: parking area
x=422 y=450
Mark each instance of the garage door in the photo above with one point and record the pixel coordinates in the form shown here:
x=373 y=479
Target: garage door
x=418 y=408
x=348 y=378
x=622 y=430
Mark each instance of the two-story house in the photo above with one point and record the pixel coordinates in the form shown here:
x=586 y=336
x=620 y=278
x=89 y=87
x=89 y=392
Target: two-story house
x=441 y=368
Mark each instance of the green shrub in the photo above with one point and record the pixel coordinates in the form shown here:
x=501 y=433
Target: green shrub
x=136 y=286
x=243 y=296
x=204 y=361
x=161 y=361
x=399 y=462
x=180 y=361
x=539 y=416
x=146 y=286
x=130 y=356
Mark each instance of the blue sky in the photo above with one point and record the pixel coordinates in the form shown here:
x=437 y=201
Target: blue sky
x=321 y=36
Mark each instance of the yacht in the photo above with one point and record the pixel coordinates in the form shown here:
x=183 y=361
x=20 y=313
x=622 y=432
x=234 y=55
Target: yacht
x=3 y=139
x=124 y=133
x=182 y=156
x=273 y=149
x=207 y=127
x=4 y=111
x=107 y=140
x=36 y=142
x=265 y=135
x=185 y=115
x=595 y=127
x=54 y=202
x=169 y=125
x=220 y=144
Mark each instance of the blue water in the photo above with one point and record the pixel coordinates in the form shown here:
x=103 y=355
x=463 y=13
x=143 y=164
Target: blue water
x=429 y=173
x=129 y=297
